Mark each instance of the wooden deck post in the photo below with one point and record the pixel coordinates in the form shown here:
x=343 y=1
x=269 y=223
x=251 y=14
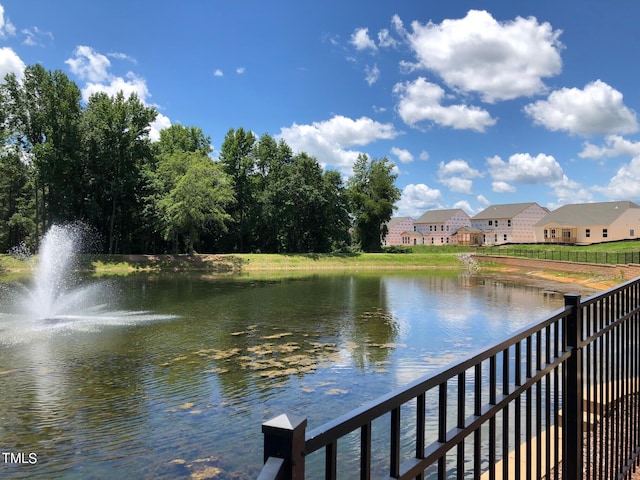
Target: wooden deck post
x=284 y=437
x=572 y=433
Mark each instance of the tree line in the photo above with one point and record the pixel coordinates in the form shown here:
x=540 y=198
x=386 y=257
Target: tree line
x=65 y=160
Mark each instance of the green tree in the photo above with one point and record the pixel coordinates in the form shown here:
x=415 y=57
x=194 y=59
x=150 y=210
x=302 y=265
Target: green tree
x=43 y=120
x=197 y=201
x=372 y=197
x=116 y=147
x=238 y=162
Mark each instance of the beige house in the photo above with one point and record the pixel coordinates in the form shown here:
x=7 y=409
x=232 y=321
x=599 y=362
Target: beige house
x=586 y=223
x=438 y=227
x=509 y=223
x=395 y=227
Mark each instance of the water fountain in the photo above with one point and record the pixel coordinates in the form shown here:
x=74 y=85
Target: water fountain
x=58 y=297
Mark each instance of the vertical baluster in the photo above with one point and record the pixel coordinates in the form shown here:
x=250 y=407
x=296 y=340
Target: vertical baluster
x=462 y=384
x=505 y=414
x=331 y=461
x=547 y=382
x=421 y=419
x=365 y=452
x=517 y=428
x=394 y=454
x=492 y=420
x=529 y=411
x=442 y=427
x=557 y=346
x=477 y=411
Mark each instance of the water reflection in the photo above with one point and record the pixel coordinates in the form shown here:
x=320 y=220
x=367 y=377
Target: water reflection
x=177 y=397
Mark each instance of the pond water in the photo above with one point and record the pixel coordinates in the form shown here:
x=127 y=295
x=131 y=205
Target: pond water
x=179 y=382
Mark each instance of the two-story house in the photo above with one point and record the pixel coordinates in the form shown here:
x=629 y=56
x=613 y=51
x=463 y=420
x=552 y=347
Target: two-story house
x=438 y=227
x=509 y=223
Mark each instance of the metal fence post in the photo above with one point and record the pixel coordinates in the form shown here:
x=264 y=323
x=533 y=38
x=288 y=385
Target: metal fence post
x=284 y=437
x=572 y=418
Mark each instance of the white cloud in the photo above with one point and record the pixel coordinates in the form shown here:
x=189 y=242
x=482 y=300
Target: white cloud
x=385 y=40
x=403 y=155
x=459 y=168
x=10 y=62
x=218 y=73
x=416 y=199
x=420 y=100
x=89 y=65
x=499 y=60
x=122 y=56
x=524 y=168
x=160 y=123
x=240 y=70
x=329 y=140
x=457 y=175
x=35 y=37
x=624 y=185
x=361 y=40
x=132 y=84
x=482 y=200
x=598 y=109
x=464 y=205
x=569 y=191
x=6 y=27
x=424 y=155
x=502 y=187
x=615 y=146
x=373 y=74
x=94 y=67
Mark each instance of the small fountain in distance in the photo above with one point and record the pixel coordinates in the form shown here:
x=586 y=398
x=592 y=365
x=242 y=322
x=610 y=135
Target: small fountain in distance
x=58 y=298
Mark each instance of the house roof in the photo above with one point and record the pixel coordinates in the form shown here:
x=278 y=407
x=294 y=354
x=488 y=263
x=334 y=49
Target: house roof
x=509 y=210
x=396 y=220
x=584 y=214
x=438 y=216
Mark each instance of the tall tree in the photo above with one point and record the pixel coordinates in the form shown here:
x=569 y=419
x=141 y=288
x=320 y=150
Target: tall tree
x=43 y=118
x=116 y=145
x=237 y=159
x=372 y=194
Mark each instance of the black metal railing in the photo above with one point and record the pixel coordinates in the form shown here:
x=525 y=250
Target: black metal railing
x=565 y=254
x=559 y=399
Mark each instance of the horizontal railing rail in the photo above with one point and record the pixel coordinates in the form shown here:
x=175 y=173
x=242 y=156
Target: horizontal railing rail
x=559 y=399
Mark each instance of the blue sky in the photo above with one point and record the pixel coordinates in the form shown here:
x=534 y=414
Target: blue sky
x=475 y=103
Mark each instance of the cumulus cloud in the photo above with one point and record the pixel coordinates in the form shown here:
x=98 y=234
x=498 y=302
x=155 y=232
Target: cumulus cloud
x=502 y=187
x=457 y=175
x=6 y=27
x=569 y=191
x=418 y=198
x=498 y=60
x=420 y=100
x=424 y=155
x=526 y=169
x=598 y=109
x=624 y=184
x=385 y=40
x=403 y=155
x=10 y=62
x=240 y=70
x=94 y=68
x=615 y=146
x=218 y=73
x=362 y=41
x=329 y=141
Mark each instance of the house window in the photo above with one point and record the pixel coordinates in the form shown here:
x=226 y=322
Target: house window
x=496 y=223
x=505 y=237
x=546 y=233
x=566 y=233
x=431 y=240
x=587 y=233
x=490 y=222
x=447 y=228
x=632 y=233
x=415 y=228
x=605 y=233
x=441 y=240
x=495 y=237
x=553 y=233
x=431 y=228
x=442 y=228
x=508 y=223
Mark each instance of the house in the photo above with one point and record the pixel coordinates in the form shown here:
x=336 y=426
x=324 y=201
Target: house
x=509 y=223
x=587 y=223
x=438 y=227
x=395 y=227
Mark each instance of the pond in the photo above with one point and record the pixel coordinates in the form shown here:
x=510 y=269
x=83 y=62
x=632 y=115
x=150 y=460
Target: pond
x=175 y=380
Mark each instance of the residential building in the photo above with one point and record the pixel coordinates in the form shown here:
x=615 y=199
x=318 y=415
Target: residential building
x=509 y=223
x=438 y=227
x=587 y=223
x=395 y=227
